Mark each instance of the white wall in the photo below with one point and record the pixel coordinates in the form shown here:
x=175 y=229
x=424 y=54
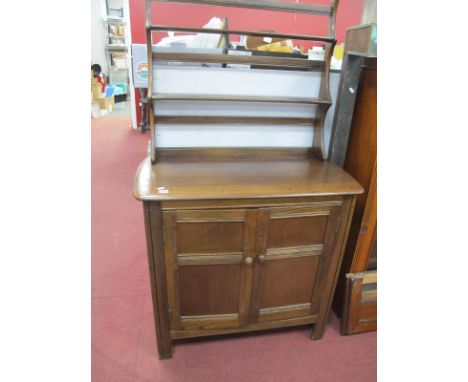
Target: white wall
x=116 y=4
x=224 y=81
x=369 y=12
x=98 y=34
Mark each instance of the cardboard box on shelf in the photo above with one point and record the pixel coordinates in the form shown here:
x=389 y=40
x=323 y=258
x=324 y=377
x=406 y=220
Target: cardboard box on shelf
x=285 y=46
x=253 y=42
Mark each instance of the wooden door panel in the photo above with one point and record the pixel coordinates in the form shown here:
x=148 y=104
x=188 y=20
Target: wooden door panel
x=288 y=281
x=210 y=231
x=210 y=237
x=298 y=231
x=214 y=289
x=293 y=245
x=209 y=267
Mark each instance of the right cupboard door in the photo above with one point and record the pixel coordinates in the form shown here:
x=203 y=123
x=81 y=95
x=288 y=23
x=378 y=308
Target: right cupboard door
x=294 y=249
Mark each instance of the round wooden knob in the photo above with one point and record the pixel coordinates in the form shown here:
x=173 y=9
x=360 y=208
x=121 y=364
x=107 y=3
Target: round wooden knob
x=248 y=260
x=262 y=258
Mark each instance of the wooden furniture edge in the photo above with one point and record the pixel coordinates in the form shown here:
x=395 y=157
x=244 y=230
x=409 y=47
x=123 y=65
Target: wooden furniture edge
x=289 y=322
x=342 y=237
x=154 y=246
x=142 y=196
x=350 y=322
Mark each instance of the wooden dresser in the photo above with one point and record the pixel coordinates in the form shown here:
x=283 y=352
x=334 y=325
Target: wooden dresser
x=250 y=238
x=242 y=242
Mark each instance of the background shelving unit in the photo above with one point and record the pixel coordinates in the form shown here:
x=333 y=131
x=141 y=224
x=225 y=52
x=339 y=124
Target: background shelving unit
x=117 y=48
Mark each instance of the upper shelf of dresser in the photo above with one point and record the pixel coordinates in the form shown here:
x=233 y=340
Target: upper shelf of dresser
x=194 y=176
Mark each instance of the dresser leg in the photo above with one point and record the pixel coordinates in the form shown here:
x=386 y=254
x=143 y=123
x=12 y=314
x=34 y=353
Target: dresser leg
x=164 y=348
x=317 y=331
x=153 y=223
x=163 y=335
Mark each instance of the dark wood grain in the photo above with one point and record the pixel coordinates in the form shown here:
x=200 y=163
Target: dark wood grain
x=360 y=307
x=283 y=323
x=209 y=287
x=318 y=143
x=154 y=245
x=291 y=36
x=225 y=178
x=238 y=98
x=233 y=153
x=361 y=162
x=243 y=239
x=204 y=120
x=250 y=203
x=360 y=40
x=296 y=231
x=368 y=231
x=334 y=263
x=239 y=59
x=196 y=238
x=236 y=269
x=332 y=19
x=288 y=281
x=279 y=313
x=293 y=266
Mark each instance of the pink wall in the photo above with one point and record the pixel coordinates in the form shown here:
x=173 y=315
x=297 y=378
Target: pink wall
x=349 y=14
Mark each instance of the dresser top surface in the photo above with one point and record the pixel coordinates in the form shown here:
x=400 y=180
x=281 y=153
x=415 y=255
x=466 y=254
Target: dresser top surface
x=185 y=178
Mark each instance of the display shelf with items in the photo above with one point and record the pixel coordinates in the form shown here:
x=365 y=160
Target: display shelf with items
x=117 y=50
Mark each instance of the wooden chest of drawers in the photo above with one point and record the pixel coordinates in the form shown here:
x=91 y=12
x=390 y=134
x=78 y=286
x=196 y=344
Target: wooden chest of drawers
x=240 y=244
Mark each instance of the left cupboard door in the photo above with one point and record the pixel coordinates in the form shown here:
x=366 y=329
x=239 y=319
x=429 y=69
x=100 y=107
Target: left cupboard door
x=209 y=267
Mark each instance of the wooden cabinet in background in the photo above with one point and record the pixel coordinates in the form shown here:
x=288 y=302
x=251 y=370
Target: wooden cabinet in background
x=356 y=295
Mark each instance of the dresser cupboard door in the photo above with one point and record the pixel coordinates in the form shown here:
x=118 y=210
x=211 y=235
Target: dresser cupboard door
x=294 y=248
x=209 y=264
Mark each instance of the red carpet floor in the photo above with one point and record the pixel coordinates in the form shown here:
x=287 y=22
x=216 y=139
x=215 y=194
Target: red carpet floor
x=123 y=338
